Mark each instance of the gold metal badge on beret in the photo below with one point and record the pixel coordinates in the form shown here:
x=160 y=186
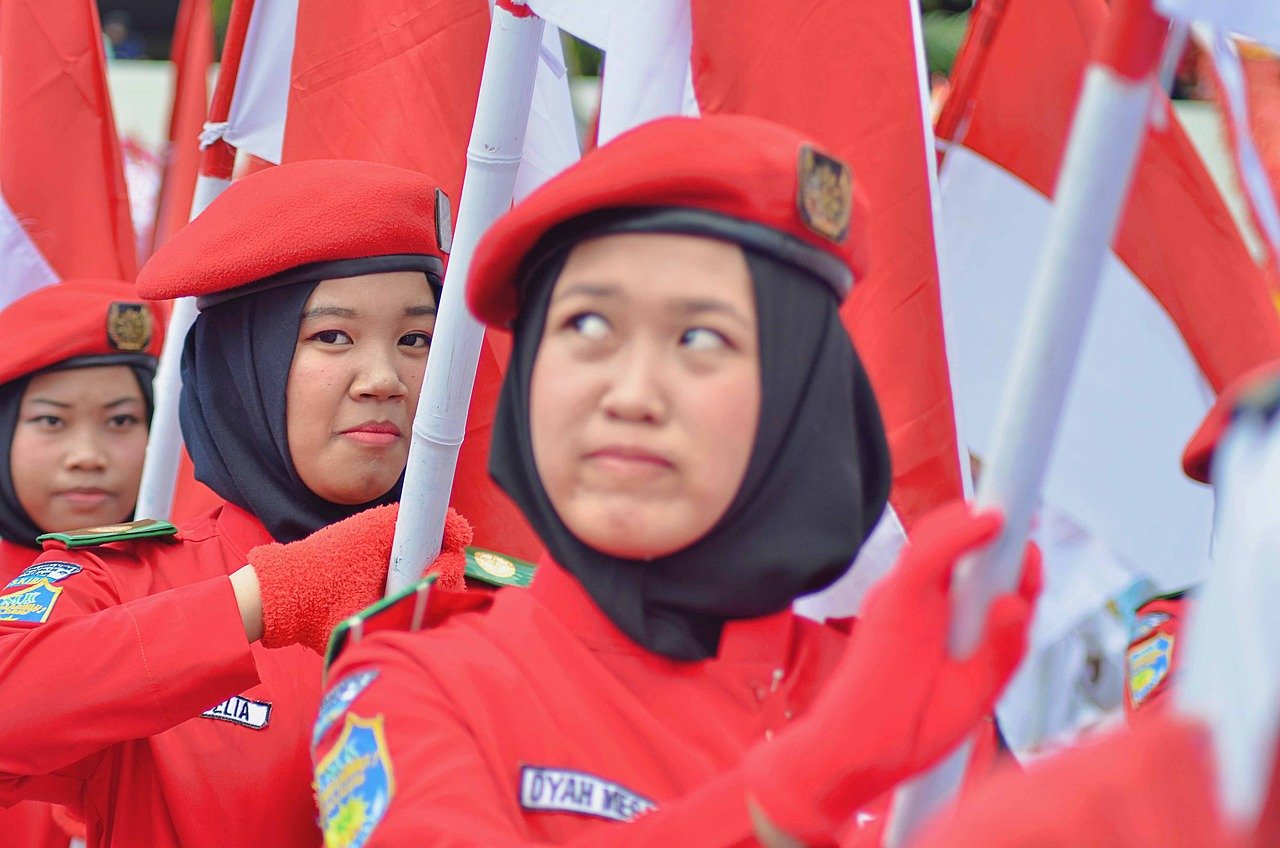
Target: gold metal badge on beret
x=129 y=326
x=825 y=194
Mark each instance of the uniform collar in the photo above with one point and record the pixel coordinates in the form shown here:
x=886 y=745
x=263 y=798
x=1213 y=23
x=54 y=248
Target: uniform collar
x=766 y=639
x=240 y=531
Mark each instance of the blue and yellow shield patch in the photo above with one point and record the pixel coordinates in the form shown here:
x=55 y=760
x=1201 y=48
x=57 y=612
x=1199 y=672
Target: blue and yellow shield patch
x=354 y=783
x=30 y=604
x=1149 y=664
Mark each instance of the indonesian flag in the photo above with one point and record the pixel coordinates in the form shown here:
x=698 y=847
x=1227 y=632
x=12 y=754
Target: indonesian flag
x=1182 y=309
x=1258 y=19
x=64 y=206
x=192 y=56
x=396 y=81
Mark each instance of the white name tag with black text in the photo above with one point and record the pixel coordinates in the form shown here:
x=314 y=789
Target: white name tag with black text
x=242 y=711
x=553 y=790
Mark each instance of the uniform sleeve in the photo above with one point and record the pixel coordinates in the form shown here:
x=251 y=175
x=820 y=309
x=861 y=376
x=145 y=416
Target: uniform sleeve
x=81 y=670
x=397 y=764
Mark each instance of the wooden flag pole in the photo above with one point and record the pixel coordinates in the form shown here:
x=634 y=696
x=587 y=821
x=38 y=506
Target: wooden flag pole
x=493 y=158
x=1097 y=168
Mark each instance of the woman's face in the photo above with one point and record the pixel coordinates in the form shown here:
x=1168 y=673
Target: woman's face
x=354 y=382
x=77 y=452
x=645 y=392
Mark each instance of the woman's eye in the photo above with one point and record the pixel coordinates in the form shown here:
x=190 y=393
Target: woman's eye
x=47 y=421
x=418 y=340
x=124 y=420
x=331 y=337
x=589 y=325
x=702 y=338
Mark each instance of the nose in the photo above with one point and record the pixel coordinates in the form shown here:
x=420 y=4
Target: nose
x=377 y=376
x=636 y=392
x=85 y=451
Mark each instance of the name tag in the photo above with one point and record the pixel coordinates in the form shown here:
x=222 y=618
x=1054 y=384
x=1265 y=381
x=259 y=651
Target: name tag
x=242 y=711
x=553 y=790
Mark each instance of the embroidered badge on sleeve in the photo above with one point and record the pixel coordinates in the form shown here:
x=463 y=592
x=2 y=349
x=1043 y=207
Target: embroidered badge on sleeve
x=337 y=700
x=50 y=571
x=1149 y=665
x=30 y=604
x=354 y=783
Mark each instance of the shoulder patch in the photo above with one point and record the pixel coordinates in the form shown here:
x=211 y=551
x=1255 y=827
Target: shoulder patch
x=557 y=790
x=50 y=571
x=1147 y=623
x=338 y=699
x=30 y=604
x=420 y=606
x=498 y=569
x=243 y=711
x=1149 y=664
x=147 y=528
x=355 y=783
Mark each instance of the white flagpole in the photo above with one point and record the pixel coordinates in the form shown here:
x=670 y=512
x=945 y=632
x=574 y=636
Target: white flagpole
x=493 y=158
x=1101 y=154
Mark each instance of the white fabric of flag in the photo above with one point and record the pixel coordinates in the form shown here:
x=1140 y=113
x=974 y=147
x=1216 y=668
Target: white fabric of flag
x=25 y=267
x=1233 y=646
x=255 y=123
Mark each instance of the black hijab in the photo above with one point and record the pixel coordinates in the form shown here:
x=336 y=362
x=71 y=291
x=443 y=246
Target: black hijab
x=15 y=525
x=815 y=485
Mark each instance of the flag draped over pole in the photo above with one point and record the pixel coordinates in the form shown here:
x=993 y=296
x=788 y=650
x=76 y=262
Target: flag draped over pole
x=58 y=141
x=1182 y=304
x=192 y=56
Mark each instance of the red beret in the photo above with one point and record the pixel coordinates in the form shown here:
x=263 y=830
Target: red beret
x=76 y=318
x=301 y=214
x=743 y=168
x=1197 y=456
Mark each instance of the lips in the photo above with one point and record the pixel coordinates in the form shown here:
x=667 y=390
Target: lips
x=84 y=496
x=629 y=461
x=374 y=433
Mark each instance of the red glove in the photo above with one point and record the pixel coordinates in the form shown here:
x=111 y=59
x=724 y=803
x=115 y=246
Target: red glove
x=309 y=586
x=898 y=701
x=1149 y=786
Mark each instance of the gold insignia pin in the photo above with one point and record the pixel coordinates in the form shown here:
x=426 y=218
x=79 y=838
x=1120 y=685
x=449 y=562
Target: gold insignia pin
x=129 y=326
x=825 y=194
x=498 y=566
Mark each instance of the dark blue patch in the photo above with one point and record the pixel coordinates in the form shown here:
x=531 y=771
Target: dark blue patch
x=50 y=571
x=335 y=703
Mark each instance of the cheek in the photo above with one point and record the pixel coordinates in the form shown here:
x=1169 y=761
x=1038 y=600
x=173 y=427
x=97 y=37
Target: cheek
x=311 y=396
x=559 y=406
x=30 y=457
x=722 y=419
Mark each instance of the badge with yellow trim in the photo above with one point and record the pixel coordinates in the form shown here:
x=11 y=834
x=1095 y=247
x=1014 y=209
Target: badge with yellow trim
x=129 y=326
x=825 y=194
x=1149 y=664
x=30 y=604
x=354 y=783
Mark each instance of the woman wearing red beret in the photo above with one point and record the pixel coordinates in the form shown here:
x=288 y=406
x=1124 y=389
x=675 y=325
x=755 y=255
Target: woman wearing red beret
x=75 y=399
x=153 y=682
x=688 y=427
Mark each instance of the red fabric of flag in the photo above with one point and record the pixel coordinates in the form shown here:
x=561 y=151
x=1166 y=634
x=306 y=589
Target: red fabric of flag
x=60 y=165
x=396 y=81
x=848 y=74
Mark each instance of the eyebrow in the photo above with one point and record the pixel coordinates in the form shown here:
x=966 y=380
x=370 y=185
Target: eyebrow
x=697 y=307
x=346 y=312
x=61 y=405
x=683 y=306
x=588 y=289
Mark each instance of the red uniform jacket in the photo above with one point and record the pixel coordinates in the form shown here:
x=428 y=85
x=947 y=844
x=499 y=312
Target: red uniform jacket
x=537 y=721
x=138 y=702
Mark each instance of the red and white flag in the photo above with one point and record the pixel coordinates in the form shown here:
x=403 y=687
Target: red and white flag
x=64 y=206
x=1182 y=308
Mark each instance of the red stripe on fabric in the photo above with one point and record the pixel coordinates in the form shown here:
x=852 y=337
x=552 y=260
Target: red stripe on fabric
x=1134 y=40
x=517 y=9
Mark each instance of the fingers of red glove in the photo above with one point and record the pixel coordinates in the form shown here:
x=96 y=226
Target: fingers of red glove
x=942 y=537
x=449 y=569
x=458 y=532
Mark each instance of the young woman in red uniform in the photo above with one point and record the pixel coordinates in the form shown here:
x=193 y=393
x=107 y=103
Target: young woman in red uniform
x=75 y=399
x=687 y=425
x=139 y=688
